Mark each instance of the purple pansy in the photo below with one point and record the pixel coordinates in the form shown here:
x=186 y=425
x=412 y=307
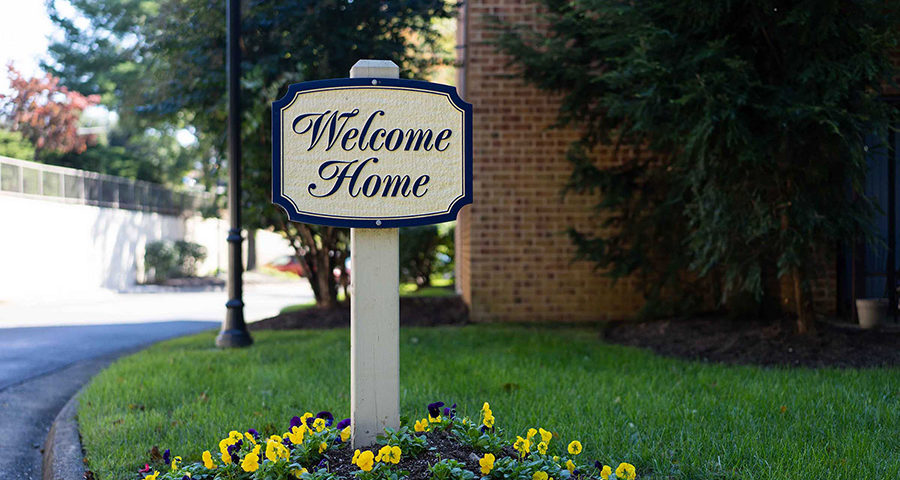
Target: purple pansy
x=434 y=409
x=295 y=421
x=343 y=424
x=166 y=456
x=253 y=432
x=327 y=416
x=186 y=477
x=450 y=411
x=598 y=465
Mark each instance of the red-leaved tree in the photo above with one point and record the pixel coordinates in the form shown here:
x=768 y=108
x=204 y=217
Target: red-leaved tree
x=46 y=113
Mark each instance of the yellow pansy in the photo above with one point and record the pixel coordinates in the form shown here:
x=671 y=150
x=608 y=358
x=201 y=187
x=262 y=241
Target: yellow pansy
x=271 y=453
x=152 y=477
x=542 y=448
x=531 y=433
x=250 y=437
x=540 y=476
x=392 y=456
x=296 y=435
x=625 y=471
x=355 y=456
x=570 y=466
x=382 y=451
x=436 y=419
x=420 y=425
x=175 y=462
x=575 y=447
x=297 y=473
x=208 y=461
x=556 y=458
x=322 y=447
x=522 y=445
x=345 y=434
x=224 y=444
x=319 y=424
x=235 y=435
x=365 y=460
x=485 y=407
x=488 y=421
x=606 y=472
x=304 y=417
x=486 y=462
x=226 y=458
x=545 y=435
x=250 y=462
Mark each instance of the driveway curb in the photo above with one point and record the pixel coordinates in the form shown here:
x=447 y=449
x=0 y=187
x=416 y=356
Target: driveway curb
x=63 y=455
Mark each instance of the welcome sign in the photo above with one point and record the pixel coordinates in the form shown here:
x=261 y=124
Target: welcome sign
x=371 y=153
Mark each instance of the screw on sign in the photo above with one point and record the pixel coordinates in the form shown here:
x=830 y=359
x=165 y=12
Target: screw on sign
x=372 y=152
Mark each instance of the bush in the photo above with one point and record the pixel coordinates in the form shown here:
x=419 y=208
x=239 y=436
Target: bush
x=164 y=259
x=189 y=256
x=159 y=261
x=425 y=251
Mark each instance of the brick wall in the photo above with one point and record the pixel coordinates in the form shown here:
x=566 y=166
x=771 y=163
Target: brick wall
x=515 y=262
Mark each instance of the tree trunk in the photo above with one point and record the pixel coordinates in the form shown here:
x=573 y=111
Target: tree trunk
x=803 y=300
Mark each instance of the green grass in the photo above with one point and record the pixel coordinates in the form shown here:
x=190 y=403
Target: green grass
x=671 y=418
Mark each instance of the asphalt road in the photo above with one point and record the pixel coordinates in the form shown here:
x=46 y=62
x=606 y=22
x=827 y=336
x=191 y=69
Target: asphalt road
x=50 y=347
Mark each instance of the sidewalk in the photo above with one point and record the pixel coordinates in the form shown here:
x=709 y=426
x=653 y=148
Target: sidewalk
x=264 y=296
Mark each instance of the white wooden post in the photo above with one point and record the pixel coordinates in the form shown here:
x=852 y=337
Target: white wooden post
x=374 y=313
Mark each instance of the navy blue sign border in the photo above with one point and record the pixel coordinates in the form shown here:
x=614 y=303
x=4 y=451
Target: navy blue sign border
x=279 y=198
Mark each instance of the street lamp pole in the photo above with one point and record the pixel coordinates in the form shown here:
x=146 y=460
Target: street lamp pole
x=234 y=330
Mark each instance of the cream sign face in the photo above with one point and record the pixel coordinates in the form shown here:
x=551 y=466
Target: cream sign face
x=371 y=153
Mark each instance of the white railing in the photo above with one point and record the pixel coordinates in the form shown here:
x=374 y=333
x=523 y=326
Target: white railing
x=49 y=182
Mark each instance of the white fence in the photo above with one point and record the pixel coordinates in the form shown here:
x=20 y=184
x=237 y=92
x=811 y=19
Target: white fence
x=69 y=185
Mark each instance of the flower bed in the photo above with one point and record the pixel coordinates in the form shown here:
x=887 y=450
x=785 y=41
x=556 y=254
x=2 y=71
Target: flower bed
x=441 y=446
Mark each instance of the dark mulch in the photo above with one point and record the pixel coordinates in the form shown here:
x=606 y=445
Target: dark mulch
x=414 y=312
x=772 y=343
x=441 y=445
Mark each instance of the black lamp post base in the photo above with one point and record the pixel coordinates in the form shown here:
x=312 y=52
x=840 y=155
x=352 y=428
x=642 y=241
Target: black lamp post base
x=233 y=338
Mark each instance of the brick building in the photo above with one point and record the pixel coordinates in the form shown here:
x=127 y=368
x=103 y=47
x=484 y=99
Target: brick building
x=514 y=260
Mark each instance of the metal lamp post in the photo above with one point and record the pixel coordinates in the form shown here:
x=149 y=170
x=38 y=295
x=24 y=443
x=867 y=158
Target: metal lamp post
x=234 y=330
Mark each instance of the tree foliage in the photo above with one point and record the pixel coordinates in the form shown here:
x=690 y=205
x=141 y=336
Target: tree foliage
x=424 y=251
x=46 y=113
x=14 y=145
x=738 y=129
x=164 y=61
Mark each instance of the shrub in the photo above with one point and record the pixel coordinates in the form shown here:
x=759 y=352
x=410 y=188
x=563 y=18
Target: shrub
x=188 y=257
x=159 y=261
x=164 y=259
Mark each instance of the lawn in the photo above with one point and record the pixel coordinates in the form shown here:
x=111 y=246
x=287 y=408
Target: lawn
x=670 y=418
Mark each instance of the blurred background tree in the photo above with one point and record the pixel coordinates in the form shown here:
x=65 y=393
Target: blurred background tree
x=161 y=63
x=738 y=129
x=425 y=251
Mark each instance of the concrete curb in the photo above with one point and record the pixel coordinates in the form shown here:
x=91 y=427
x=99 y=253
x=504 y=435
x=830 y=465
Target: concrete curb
x=63 y=455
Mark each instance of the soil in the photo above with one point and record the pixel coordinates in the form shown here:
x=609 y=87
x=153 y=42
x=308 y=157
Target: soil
x=414 y=312
x=754 y=342
x=708 y=338
x=441 y=446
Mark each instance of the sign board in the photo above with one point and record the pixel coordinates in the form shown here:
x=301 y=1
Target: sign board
x=371 y=153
